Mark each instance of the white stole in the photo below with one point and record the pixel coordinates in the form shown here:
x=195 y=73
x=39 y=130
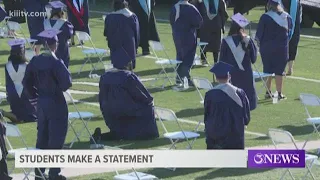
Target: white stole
x=281 y=20
x=78 y=6
x=59 y=23
x=17 y=76
x=237 y=51
x=126 y=12
x=177 y=7
x=231 y=91
x=216 y=6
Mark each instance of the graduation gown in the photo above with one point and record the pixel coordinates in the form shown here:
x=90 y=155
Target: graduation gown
x=213 y=23
x=3 y=14
x=147 y=21
x=273 y=36
x=184 y=25
x=17 y=98
x=296 y=15
x=66 y=29
x=45 y=80
x=15 y=6
x=3 y=163
x=225 y=117
x=78 y=14
x=35 y=23
x=241 y=74
x=127 y=106
x=122 y=32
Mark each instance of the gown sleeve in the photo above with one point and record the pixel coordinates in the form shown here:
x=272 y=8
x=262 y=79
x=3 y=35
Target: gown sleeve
x=68 y=29
x=172 y=15
x=29 y=84
x=136 y=30
x=260 y=29
x=223 y=14
x=138 y=91
x=196 y=19
x=246 y=108
x=105 y=32
x=253 y=51
x=62 y=75
x=223 y=51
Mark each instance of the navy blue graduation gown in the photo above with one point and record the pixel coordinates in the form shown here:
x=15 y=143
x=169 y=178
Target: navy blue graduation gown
x=45 y=80
x=63 y=47
x=294 y=41
x=225 y=120
x=274 y=44
x=122 y=33
x=127 y=106
x=35 y=23
x=147 y=23
x=12 y=6
x=211 y=29
x=78 y=16
x=3 y=14
x=184 y=32
x=20 y=106
x=242 y=79
x=4 y=153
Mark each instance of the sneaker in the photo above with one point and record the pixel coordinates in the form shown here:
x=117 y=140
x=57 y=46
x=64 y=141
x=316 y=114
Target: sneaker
x=59 y=177
x=281 y=97
x=204 y=63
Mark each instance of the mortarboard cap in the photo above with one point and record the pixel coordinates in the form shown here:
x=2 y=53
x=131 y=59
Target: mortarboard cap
x=16 y=43
x=50 y=35
x=57 y=5
x=240 y=20
x=221 y=69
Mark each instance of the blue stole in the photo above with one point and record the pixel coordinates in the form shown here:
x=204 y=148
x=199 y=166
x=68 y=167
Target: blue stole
x=293 y=14
x=210 y=13
x=146 y=6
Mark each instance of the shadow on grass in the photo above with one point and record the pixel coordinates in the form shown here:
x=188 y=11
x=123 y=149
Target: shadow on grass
x=85 y=74
x=93 y=99
x=297 y=130
x=190 y=112
x=150 y=72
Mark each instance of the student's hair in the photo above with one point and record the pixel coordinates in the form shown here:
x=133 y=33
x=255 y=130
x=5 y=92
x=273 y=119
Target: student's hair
x=119 y=4
x=58 y=13
x=235 y=30
x=271 y=6
x=17 y=56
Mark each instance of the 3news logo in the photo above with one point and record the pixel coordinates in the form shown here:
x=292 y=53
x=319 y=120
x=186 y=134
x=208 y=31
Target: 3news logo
x=276 y=159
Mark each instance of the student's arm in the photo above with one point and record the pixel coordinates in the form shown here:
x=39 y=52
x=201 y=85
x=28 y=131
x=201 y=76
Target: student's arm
x=246 y=108
x=223 y=14
x=223 y=50
x=29 y=84
x=253 y=51
x=137 y=91
x=68 y=28
x=196 y=19
x=260 y=30
x=62 y=76
x=136 y=30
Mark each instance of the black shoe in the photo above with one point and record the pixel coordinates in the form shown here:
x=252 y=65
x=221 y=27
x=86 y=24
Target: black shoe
x=39 y=177
x=281 y=97
x=59 y=177
x=96 y=136
x=190 y=83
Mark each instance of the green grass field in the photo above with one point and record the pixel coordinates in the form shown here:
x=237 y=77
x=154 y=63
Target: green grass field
x=288 y=115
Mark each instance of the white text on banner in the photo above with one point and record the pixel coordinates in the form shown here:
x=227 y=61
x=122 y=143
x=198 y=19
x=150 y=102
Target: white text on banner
x=131 y=158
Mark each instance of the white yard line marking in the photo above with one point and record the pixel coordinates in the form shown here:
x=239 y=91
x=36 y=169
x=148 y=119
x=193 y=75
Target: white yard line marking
x=304 y=79
x=82 y=92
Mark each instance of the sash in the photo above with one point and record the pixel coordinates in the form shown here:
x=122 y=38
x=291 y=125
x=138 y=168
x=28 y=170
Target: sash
x=59 y=23
x=76 y=11
x=237 y=51
x=146 y=6
x=293 y=14
x=207 y=5
x=17 y=76
x=231 y=91
x=177 y=7
x=281 y=20
x=126 y=12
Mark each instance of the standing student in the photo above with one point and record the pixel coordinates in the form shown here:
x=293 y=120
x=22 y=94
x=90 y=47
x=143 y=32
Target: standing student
x=78 y=15
x=226 y=112
x=22 y=110
x=46 y=79
x=147 y=22
x=3 y=152
x=37 y=14
x=214 y=15
x=239 y=50
x=57 y=22
x=122 y=32
x=185 y=19
x=3 y=14
x=273 y=38
x=294 y=8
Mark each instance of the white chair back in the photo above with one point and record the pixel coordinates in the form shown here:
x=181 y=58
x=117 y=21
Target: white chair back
x=279 y=136
x=309 y=99
x=202 y=83
x=13 y=26
x=83 y=36
x=68 y=97
x=12 y=130
x=156 y=46
x=165 y=114
x=29 y=54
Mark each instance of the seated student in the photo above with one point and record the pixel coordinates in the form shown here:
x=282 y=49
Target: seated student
x=227 y=112
x=238 y=50
x=126 y=105
x=57 y=22
x=3 y=153
x=22 y=109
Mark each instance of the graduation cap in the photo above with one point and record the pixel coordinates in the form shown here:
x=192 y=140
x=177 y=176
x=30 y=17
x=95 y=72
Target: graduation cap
x=50 y=35
x=57 y=5
x=240 y=20
x=16 y=43
x=221 y=69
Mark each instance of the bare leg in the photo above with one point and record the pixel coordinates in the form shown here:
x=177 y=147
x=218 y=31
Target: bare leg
x=290 y=68
x=279 y=81
x=269 y=83
x=13 y=118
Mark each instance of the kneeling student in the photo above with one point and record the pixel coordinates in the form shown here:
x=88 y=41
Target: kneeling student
x=227 y=112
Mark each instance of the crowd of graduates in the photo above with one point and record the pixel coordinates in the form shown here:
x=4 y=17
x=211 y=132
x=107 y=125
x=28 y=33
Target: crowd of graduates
x=35 y=88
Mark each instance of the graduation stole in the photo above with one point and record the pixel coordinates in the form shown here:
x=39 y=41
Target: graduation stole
x=146 y=6
x=231 y=91
x=177 y=7
x=293 y=14
x=237 y=51
x=211 y=8
x=126 y=12
x=281 y=20
x=17 y=76
x=59 y=23
x=77 y=10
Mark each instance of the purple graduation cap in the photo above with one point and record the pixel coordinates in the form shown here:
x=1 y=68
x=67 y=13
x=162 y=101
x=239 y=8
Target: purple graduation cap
x=50 y=36
x=221 y=69
x=240 y=20
x=16 y=43
x=57 y=5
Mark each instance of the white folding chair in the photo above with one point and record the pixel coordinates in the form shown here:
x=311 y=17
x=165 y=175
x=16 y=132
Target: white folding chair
x=202 y=46
x=257 y=75
x=3 y=97
x=84 y=117
x=14 y=132
x=164 y=63
x=90 y=51
x=311 y=100
x=134 y=176
x=279 y=137
x=4 y=28
x=202 y=83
